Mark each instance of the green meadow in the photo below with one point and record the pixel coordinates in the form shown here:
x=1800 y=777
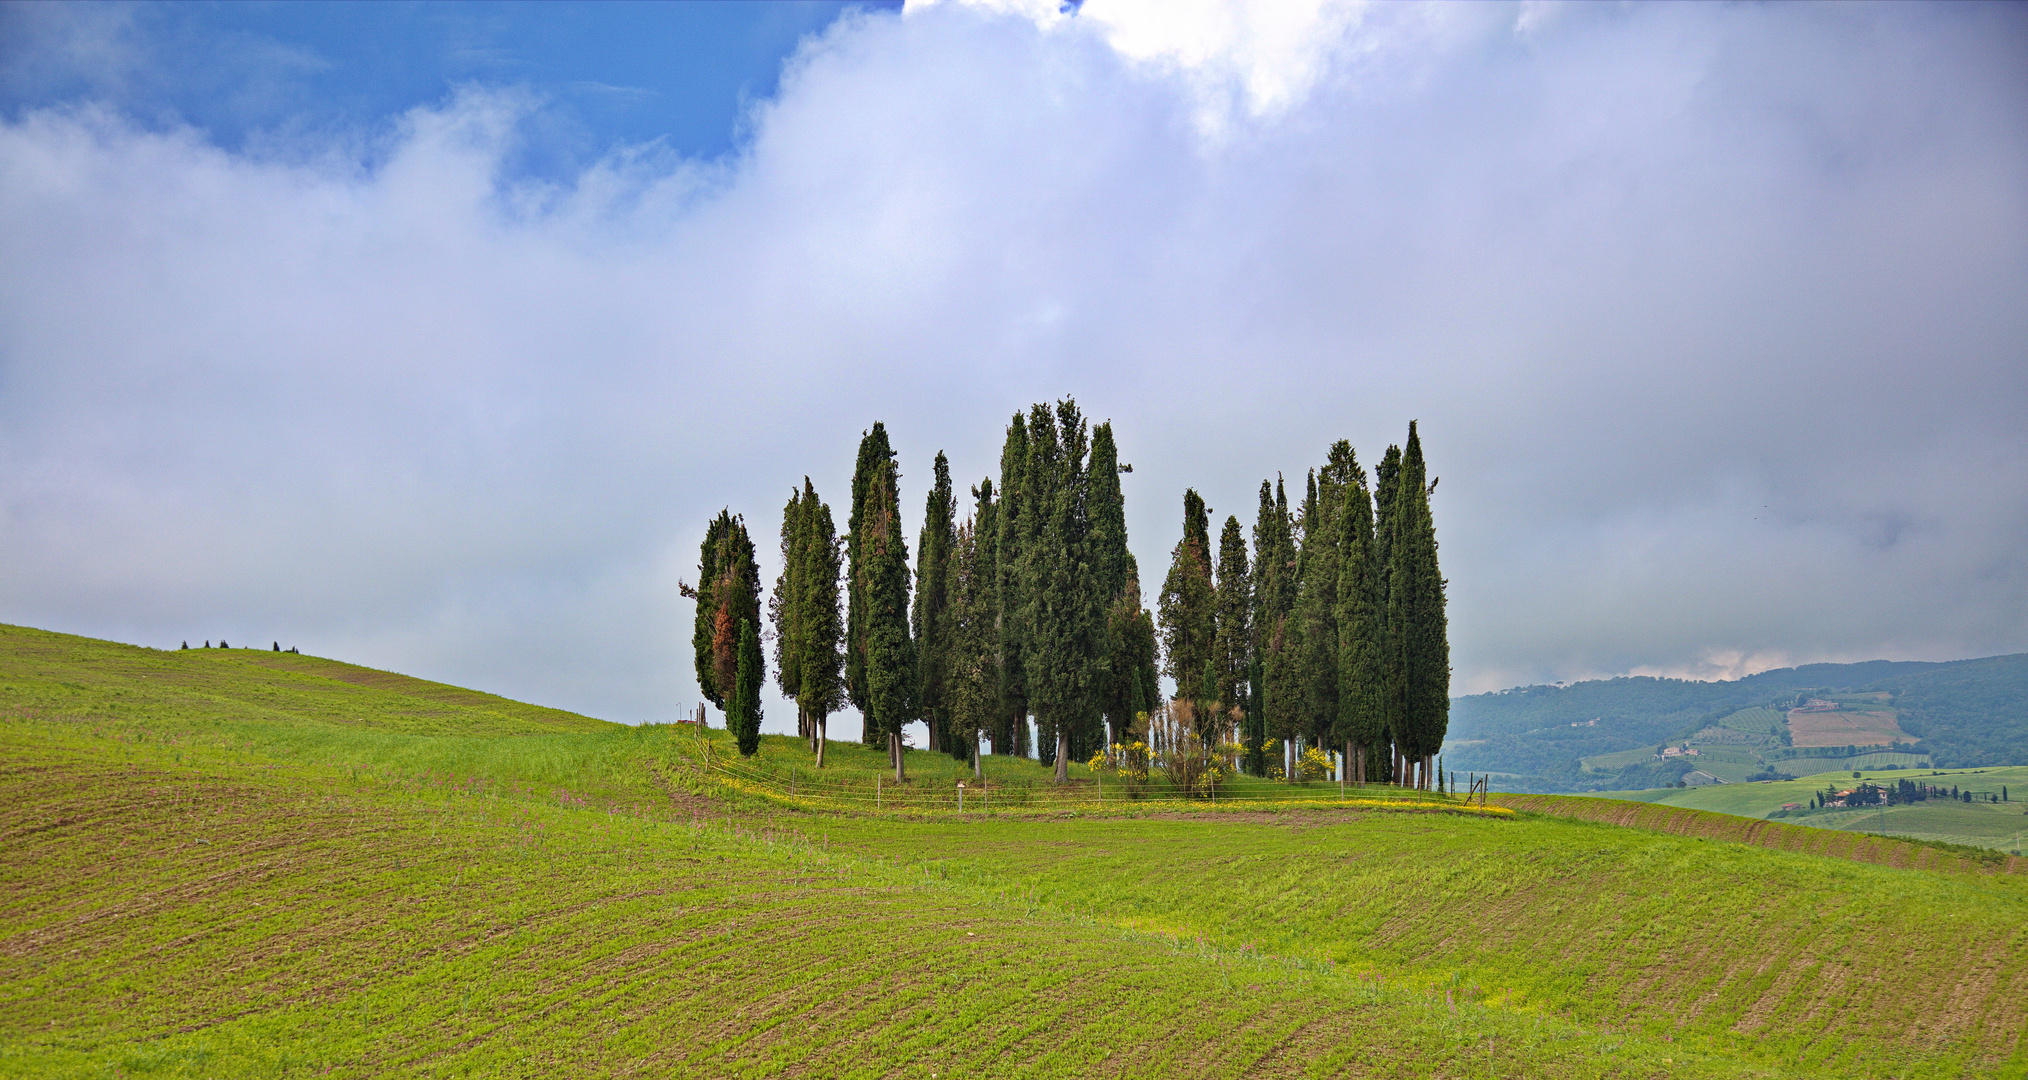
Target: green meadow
x=1976 y=824
x=241 y=863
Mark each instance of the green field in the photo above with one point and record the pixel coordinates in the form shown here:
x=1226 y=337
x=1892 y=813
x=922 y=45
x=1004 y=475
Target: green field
x=225 y=863
x=1869 y=763
x=1975 y=824
x=1618 y=760
x=1757 y=721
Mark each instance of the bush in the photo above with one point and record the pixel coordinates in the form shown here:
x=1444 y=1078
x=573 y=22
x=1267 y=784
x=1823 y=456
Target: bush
x=1127 y=764
x=1195 y=768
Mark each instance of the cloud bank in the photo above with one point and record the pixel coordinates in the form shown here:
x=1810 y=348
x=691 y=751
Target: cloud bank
x=1713 y=318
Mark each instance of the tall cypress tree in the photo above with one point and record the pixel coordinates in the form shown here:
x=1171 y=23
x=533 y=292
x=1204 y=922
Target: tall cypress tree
x=1189 y=604
x=1316 y=615
x=1276 y=707
x=1112 y=565
x=972 y=664
x=704 y=626
x=986 y=583
x=744 y=717
x=1010 y=521
x=1038 y=480
x=1232 y=647
x=1130 y=683
x=1314 y=628
x=1362 y=635
x=876 y=458
x=1065 y=614
x=931 y=618
x=1416 y=614
x=784 y=611
x=728 y=597
x=1386 y=506
x=820 y=625
x=881 y=579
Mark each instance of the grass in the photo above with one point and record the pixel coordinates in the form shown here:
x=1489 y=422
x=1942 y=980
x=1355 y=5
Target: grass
x=1976 y=824
x=1756 y=721
x=207 y=878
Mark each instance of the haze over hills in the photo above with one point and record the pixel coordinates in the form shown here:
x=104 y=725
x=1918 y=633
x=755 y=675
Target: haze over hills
x=1610 y=734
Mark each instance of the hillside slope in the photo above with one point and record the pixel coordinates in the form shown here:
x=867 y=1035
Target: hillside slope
x=1599 y=735
x=271 y=895
x=66 y=675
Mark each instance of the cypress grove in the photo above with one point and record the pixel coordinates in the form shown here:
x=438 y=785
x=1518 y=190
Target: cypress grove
x=1333 y=634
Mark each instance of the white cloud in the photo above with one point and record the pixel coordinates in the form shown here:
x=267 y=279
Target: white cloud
x=1711 y=317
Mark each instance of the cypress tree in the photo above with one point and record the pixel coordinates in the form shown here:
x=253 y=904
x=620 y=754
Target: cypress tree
x=986 y=585
x=887 y=658
x=728 y=597
x=703 y=626
x=973 y=674
x=1065 y=614
x=1113 y=566
x=1362 y=635
x=1232 y=645
x=820 y=626
x=744 y=718
x=1315 y=617
x=1254 y=734
x=1277 y=705
x=1386 y=508
x=1274 y=576
x=1133 y=679
x=876 y=460
x=1415 y=613
x=1130 y=682
x=1010 y=520
x=930 y=621
x=1189 y=602
x=1038 y=480
x=784 y=612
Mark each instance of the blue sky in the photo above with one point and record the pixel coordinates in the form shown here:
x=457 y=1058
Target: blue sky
x=431 y=337
x=678 y=74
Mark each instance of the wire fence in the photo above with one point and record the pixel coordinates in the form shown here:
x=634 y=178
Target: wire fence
x=988 y=796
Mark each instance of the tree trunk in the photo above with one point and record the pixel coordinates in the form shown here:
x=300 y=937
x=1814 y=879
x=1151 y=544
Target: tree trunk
x=894 y=747
x=975 y=756
x=822 y=723
x=1062 y=754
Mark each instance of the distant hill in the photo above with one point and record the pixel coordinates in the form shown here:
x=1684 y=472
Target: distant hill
x=1602 y=735
x=43 y=673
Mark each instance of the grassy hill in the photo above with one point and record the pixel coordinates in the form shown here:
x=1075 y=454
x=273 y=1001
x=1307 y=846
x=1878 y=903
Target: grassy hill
x=225 y=863
x=1599 y=735
x=1979 y=824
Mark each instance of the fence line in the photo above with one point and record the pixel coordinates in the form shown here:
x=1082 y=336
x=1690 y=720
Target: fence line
x=982 y=792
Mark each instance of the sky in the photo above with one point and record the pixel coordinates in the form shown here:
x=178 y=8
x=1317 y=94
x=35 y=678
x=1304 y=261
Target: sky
x=430 y=337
